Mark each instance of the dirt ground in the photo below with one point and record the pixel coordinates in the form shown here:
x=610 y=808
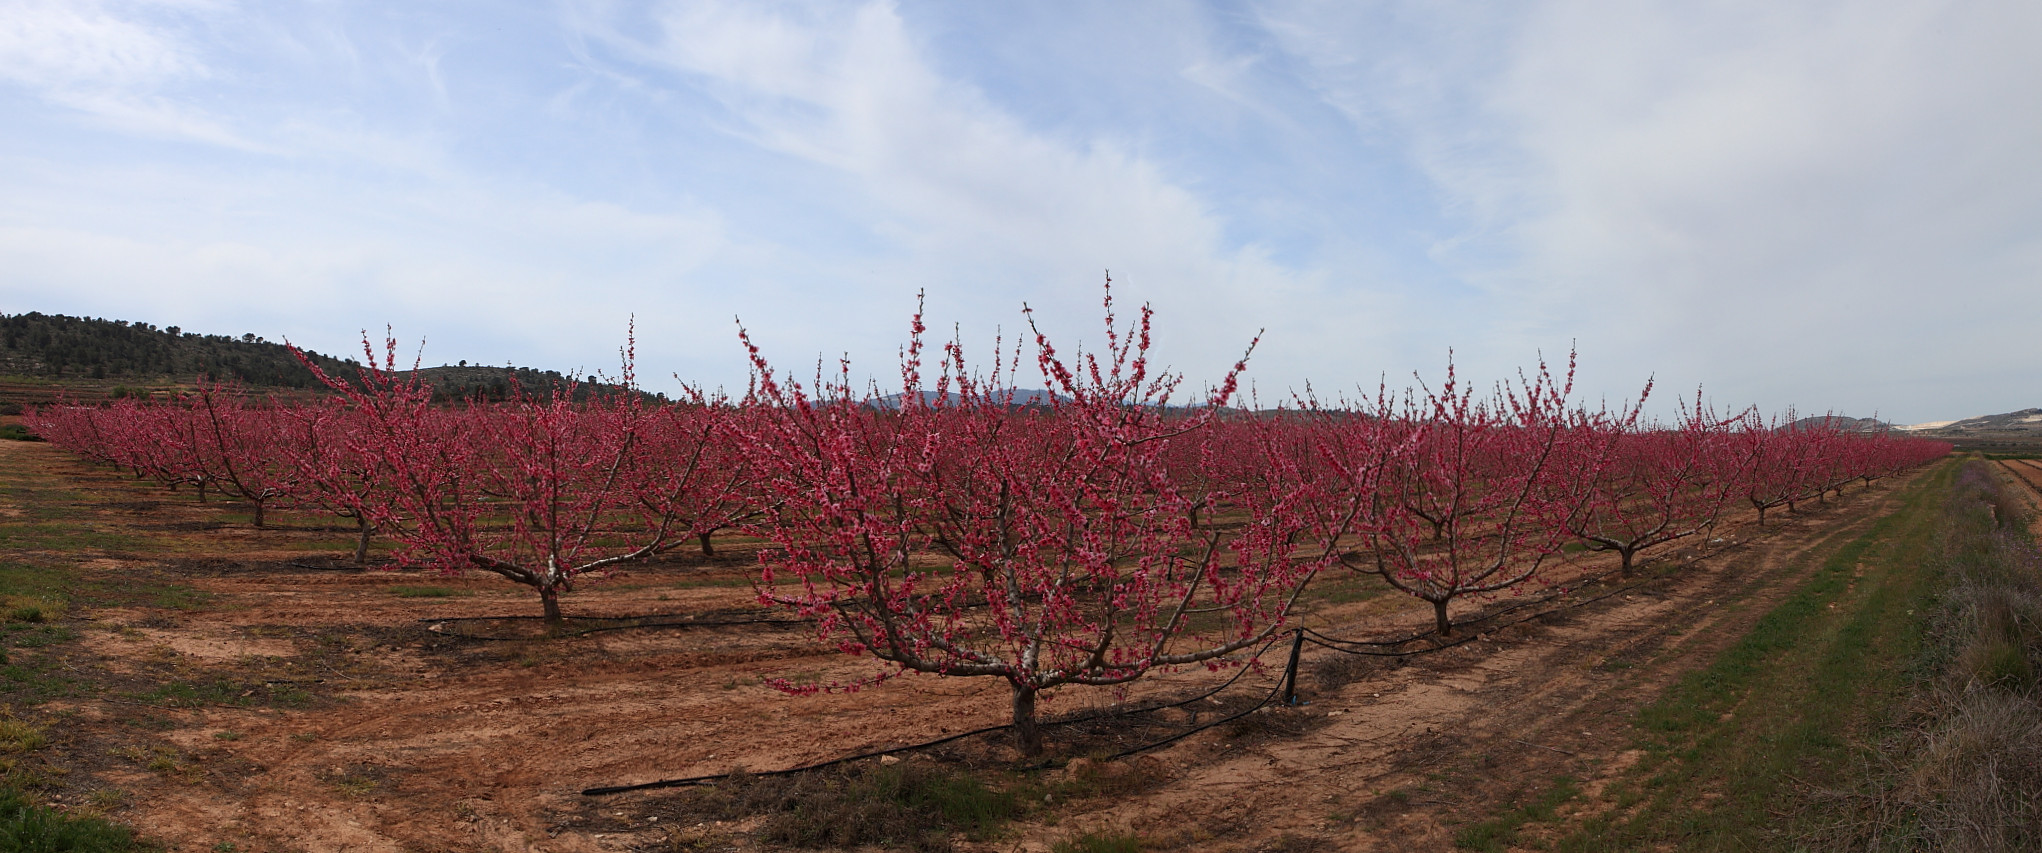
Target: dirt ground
x=251 y=691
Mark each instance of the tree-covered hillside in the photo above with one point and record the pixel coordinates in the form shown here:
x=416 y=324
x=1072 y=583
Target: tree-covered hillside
x=54 y=346
x=118 y=357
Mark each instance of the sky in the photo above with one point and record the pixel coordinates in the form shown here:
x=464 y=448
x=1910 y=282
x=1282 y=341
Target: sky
x=1832 y=206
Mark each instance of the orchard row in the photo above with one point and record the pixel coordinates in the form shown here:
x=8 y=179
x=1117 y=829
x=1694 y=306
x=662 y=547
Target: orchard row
x=1086 y=536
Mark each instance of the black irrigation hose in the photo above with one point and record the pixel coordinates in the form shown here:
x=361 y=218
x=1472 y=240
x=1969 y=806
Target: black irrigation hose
x=1300 y=635
x=698 y=780
x=1273 y=693
x=634 y=623
x=1345 y=646
x=1336 y=644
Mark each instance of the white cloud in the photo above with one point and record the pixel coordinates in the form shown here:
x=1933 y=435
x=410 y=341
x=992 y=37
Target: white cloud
x=1804 y=202
x=112 y=61
x=960 y=195
x=69 y=45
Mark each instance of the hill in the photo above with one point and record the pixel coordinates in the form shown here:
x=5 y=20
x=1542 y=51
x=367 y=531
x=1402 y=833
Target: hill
x=43 y=356
x=1840 y=422
x=2025 y=420
x=2015 y=433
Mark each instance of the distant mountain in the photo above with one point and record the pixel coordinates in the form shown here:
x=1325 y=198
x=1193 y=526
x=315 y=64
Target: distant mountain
x=1839 y=422
x=2025 y=420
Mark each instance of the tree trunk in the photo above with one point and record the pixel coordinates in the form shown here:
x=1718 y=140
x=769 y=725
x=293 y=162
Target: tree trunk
x=1445 y=625
x=708 y=550
x=1027 y=735
x=258 y=513
x=362 y=542
x=549 y=597
x=1626 y=570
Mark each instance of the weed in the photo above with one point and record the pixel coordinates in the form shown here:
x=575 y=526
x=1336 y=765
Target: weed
x=1499 y=833
x=355 y=787
x=224 y=692
x=1961 y=770
x=28 y=827
x=900 y=806
x=18 y=736
x=1099 y=842
x=1288 y=843
x=1338 y=670
x=31 y=636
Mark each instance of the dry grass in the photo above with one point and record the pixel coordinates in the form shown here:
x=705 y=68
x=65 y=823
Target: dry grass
x=1965 y=774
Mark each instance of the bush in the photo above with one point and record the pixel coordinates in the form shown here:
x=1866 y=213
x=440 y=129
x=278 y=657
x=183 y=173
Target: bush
x=18 y=432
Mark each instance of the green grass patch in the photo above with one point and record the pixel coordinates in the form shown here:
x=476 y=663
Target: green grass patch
x=31 y=636
x=1099 y=842
x=1500 y=833
x=30 y=828
x=24 y=587
x=143 y=592
x=904 y=806
x=17 y=736
x=1345 y=588
x=56 y=536
x=224 y=692
x=1732 y=752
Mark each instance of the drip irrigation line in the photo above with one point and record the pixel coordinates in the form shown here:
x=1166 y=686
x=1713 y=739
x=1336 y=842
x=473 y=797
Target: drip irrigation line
x=1338 y=645
x=1304 y=634
x=1102 y=715
x=1271 y=696
x=699 y=780
x=634 y=622
x=1300 y=636
x=1344 y=646
x=350 y=567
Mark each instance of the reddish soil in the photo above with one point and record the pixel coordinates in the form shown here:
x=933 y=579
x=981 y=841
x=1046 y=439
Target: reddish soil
x=2028 y=472
x=334 y=713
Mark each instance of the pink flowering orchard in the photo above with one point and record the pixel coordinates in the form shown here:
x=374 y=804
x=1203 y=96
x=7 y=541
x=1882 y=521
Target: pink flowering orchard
x=1086 y=536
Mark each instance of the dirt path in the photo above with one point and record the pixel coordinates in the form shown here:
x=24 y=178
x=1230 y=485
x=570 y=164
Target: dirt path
x=346 y=725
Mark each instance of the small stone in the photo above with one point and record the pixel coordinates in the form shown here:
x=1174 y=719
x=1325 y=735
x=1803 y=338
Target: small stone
x=889 y=760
